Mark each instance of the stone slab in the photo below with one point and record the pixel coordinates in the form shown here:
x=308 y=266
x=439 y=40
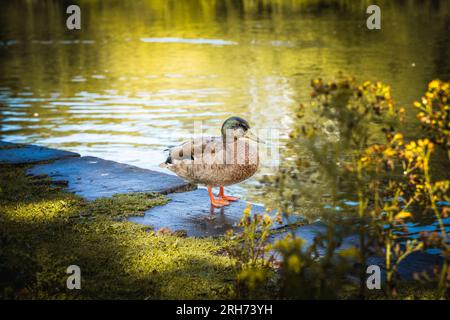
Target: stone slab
x=92 y=178
x=18 y=154
x=192 y=212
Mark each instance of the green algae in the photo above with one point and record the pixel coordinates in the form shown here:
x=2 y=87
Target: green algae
x=44 y=229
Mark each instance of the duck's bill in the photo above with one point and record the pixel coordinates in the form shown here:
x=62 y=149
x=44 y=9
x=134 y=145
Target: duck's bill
x=250 y=135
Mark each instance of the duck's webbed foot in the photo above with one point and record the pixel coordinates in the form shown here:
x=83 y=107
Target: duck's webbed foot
x=224 y=197
x=217 y=203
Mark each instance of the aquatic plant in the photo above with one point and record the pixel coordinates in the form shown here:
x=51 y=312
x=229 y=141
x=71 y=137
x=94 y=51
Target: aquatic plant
x=434 y=113
x=251 y=251
x=391 y=177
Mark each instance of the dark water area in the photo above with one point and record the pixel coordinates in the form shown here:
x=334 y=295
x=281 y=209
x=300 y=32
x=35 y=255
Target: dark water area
x=138 y=74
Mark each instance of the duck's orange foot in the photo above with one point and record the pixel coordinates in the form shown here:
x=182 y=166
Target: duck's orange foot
x=228 y=198
x=219 y=203
x=224 y=197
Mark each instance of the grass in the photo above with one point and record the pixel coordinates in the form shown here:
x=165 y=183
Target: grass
x=44 y=229
x=409 y=290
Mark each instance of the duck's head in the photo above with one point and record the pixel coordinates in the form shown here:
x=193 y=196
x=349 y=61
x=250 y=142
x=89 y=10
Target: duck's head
x=235 y=128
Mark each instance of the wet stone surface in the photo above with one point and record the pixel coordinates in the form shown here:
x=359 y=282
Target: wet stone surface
x=17 y=154
x=92 y=178
x=192 y=212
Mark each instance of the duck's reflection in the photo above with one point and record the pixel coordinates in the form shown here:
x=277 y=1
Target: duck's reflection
x=213 y=210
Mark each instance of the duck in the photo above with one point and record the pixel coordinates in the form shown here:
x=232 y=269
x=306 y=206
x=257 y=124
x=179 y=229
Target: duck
x=217 y=161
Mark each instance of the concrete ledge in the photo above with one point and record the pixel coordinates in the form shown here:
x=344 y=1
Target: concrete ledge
x=92 y=178
x=19 y=154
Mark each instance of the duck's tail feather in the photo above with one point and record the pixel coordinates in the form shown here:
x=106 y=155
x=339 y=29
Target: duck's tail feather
x=168 y=161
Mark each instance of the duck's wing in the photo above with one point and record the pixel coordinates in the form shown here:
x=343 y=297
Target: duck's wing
x=205 y=148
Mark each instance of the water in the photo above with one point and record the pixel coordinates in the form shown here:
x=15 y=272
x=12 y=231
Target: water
x=139 y=74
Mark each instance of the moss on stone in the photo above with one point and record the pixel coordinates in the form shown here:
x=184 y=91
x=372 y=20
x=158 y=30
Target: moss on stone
x=125 y=205
x=44 y=229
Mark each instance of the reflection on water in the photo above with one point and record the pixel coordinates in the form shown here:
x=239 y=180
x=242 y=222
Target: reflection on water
x=138 y=74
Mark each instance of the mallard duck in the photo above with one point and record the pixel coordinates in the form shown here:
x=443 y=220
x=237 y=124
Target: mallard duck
x=217 y=161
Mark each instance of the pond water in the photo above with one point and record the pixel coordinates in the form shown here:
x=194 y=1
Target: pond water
x=138 y=74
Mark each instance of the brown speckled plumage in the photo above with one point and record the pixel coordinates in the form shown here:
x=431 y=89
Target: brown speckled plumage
x=212 y=162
